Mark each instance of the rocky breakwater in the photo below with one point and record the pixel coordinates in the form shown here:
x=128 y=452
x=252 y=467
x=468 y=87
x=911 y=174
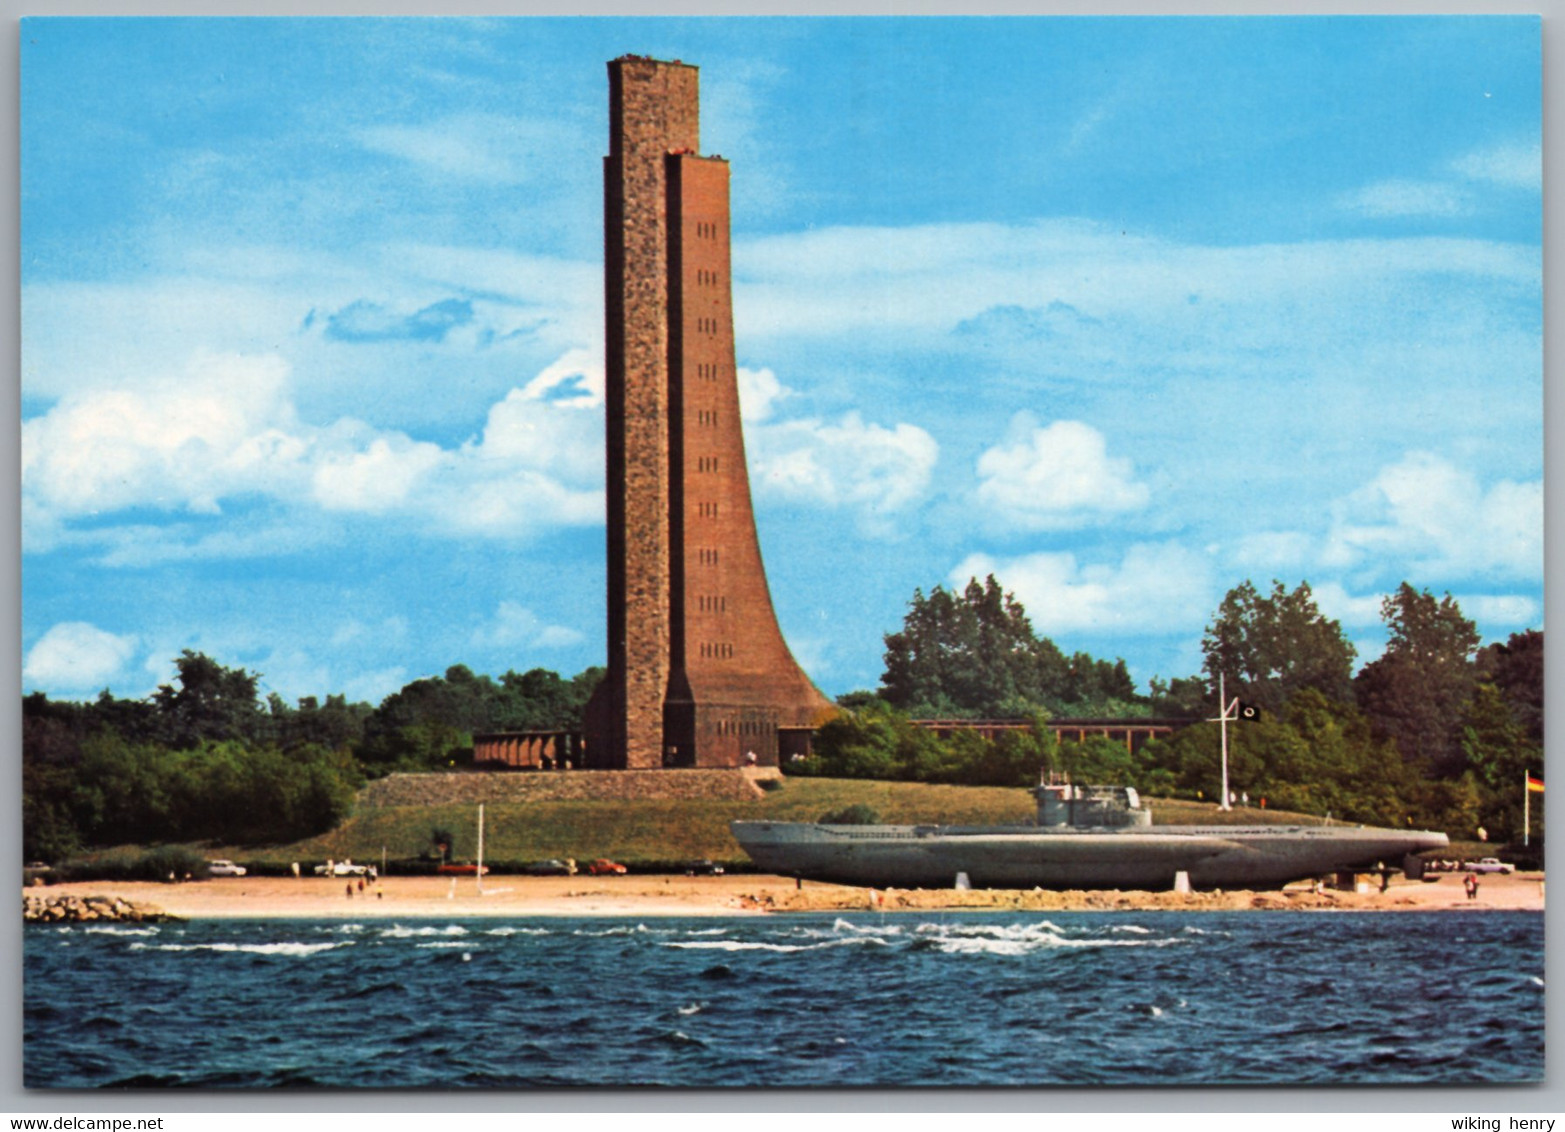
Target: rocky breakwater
x=72 y=909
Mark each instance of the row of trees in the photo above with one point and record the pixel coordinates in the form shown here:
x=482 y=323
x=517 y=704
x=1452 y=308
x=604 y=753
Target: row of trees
x=205 y=758
x=1436 y=731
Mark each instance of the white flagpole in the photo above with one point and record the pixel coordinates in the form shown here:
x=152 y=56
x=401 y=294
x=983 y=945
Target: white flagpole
x=1526 y=807
x=480 y=848
x=1222 y=723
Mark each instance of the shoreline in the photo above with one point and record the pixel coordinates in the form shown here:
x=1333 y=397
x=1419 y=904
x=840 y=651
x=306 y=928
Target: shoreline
x=425 y=898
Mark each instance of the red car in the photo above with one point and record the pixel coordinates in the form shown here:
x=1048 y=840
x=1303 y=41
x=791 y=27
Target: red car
x=604 y=867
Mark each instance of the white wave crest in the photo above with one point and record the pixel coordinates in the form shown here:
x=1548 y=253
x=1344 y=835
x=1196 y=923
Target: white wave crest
x=756 y=945
x=842 y=925
x=109 y=929
x=291 y=947
x=1021 y=939
x=397 y=931
x=623 y=929
x=736 y=945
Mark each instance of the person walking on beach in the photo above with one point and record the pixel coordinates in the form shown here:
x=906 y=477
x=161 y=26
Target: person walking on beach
x=1471 y=884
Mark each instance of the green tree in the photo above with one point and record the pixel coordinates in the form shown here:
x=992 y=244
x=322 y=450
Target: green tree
x=1417 y=691
x=873 y=743
x=1267 y=647
x=975 y=654
x=1516 y=669
x=1099 y=759
x=431 y=721
x=1183 y=696
x=335 y=724
x=917 y=656
x=211 y=702
x=1500 y=756
x=1320 y=756
x=51 y=755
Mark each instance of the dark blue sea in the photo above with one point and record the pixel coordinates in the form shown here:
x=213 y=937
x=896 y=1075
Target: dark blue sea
x=893 y=1000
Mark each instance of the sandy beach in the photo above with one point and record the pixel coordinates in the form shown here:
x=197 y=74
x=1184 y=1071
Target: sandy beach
x=437 y=897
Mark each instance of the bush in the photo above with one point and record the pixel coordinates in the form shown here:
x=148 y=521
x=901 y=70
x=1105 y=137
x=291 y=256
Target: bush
x=159 y=863
x=856 y=814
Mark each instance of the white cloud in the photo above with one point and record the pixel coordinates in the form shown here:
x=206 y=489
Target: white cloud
x=1513 y=166
x=1156 y=589
x=481 y=315
x=574 y=381
x=1436 y=520
x=1407 y=198
x=514 y=625
x=877 y=472
x=513 y=504
x=1353 y=612
x=143 y=545
x=1056 y=477
x=759 y=390
x=486 y=148
x=1287 y=551
x=1061 y=303
x=551 y=425
x=373 y=687
x=75 y=656
x=228 y=430
x=291 y=673
x=374 y=479
x=1510 y=611
x=225 y=428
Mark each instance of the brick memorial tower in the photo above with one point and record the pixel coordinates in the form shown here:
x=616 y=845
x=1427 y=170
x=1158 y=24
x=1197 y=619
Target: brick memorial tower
x=699 y=674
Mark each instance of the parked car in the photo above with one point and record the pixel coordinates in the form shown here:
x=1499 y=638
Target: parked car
x=1488 y=865
x=554 y=867
x=605 y=867
x=703 y=867
x=340 y=869
x=224 y=869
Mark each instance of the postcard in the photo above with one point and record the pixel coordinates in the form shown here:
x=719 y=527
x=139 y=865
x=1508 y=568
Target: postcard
x=782 y=552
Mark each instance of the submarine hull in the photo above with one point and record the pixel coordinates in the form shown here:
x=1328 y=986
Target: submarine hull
x=1029 y=857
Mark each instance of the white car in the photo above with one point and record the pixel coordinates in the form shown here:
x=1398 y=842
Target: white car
x=340 y=869
x=1489 y=865
x=224 y=869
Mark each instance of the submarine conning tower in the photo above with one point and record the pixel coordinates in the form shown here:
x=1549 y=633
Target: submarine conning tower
x=1090 y=807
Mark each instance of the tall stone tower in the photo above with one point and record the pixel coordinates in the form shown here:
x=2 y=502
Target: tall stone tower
x=699 y=674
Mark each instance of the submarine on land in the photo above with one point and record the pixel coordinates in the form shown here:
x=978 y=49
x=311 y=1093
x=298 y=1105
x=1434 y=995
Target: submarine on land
x=1086 y=837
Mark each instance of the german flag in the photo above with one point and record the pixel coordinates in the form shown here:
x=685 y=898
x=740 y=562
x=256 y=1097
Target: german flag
x=1535 y=784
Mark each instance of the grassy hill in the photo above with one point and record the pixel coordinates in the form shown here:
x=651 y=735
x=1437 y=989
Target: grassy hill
x=651 y=832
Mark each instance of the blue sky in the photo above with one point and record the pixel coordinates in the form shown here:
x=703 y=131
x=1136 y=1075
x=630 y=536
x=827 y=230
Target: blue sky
x=1125 y=311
